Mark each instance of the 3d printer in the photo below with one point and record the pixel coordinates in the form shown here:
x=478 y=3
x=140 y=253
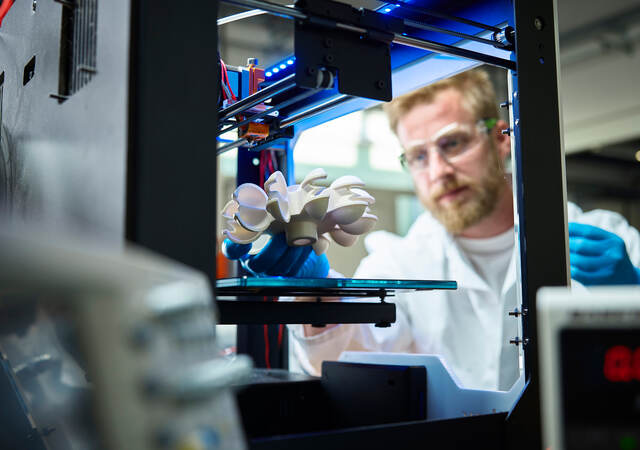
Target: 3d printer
x=107 y=130
x=399 y=44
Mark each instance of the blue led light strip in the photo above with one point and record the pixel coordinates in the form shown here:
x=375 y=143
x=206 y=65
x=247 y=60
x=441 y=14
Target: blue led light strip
x=284 y=67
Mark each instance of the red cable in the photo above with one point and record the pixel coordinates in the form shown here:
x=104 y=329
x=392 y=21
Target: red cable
x=266 y=344
x=270 y=161
x=4 y=9
x=280 y=333
x=261 y=169
x=267 y=361
x=224 y=77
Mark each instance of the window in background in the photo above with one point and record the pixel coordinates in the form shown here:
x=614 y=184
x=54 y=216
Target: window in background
x=384 y=147
x=408 y=208
x=334 y=143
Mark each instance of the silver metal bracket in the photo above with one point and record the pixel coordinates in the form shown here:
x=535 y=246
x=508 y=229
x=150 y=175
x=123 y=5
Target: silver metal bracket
x=517 y=341
x=516 y=312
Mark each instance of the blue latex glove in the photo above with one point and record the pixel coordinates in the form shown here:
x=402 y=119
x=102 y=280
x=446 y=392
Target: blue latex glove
x=277 y=258
x=599 y=257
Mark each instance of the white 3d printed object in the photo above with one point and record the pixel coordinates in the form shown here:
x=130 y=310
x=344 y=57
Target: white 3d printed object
x=305 y=212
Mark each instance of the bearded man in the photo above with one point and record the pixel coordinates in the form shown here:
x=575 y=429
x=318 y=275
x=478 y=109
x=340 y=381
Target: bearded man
x=455 y=151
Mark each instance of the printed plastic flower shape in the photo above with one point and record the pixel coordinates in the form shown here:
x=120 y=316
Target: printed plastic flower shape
x=307 y=213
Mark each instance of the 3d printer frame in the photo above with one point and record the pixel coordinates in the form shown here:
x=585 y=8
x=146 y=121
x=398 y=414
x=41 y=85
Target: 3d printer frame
x=538 y=171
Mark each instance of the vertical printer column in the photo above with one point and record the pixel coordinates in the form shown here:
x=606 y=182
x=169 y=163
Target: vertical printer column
x=173 y=93
x=540 y=188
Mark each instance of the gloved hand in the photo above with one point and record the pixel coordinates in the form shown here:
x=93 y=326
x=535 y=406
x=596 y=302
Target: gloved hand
x=277 y=258
x=599 y=257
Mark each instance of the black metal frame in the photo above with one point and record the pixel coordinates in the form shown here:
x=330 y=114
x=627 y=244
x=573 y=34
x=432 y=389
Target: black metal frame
x=539 y=181
x=171 y=172
x=540 y=190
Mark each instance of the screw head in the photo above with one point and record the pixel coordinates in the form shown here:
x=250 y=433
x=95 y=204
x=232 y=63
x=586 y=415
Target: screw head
x=329 y=58
x=328 y=42
x=311 y=70
x=538 y=23
x=380 y=84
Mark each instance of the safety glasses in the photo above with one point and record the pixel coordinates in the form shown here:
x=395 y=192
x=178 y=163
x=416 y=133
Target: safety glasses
x=451 y=142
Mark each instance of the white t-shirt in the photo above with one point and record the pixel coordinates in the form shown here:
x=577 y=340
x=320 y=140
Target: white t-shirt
x=490 y=257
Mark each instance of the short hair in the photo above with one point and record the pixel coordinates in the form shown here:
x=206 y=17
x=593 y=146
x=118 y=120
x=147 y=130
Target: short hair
x=478 y=96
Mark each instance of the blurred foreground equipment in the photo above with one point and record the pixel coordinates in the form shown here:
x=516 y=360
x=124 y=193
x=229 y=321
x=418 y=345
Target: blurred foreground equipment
x=109 y=349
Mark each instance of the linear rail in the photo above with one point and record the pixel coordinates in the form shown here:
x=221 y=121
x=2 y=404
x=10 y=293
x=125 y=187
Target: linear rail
x=444 y=49
x=259 y=97
x=262 y=114
x=413 y=8
x=290 y=121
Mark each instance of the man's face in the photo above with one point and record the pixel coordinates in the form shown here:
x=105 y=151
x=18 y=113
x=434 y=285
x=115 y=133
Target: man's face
x=464 y=189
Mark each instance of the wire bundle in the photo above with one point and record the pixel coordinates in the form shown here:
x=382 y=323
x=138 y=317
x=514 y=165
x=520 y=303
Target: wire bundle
x=227 y=92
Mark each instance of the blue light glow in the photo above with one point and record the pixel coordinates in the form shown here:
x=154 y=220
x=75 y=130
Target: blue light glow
x=283 y=66
x=387 y=10
x=268 y=74
x=290 y=62
x=276 y=70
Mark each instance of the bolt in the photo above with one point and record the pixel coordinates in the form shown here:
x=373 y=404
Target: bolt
x=517 y=122
x=34 y=5
x=506 y=131
x=538 y=23
x=504 y=105
x=515 y=94
x=380 y=84
x=311 y=70
x=329 y=58
x=518 y=341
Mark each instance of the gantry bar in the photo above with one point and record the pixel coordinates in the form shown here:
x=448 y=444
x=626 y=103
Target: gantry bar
x=266 y=112
x=398 y=37
x=259 y=97
x=403 y=4
x=314 y=111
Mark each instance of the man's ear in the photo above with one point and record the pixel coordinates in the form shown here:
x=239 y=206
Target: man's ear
x=503 y=141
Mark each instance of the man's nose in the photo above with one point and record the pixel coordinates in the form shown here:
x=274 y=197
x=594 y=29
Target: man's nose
x=439 y=167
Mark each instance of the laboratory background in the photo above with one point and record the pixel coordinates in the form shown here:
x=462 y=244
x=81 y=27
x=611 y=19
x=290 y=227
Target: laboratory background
x=212 y=237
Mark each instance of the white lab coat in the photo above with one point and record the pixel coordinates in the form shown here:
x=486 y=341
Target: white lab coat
x=470 y=327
